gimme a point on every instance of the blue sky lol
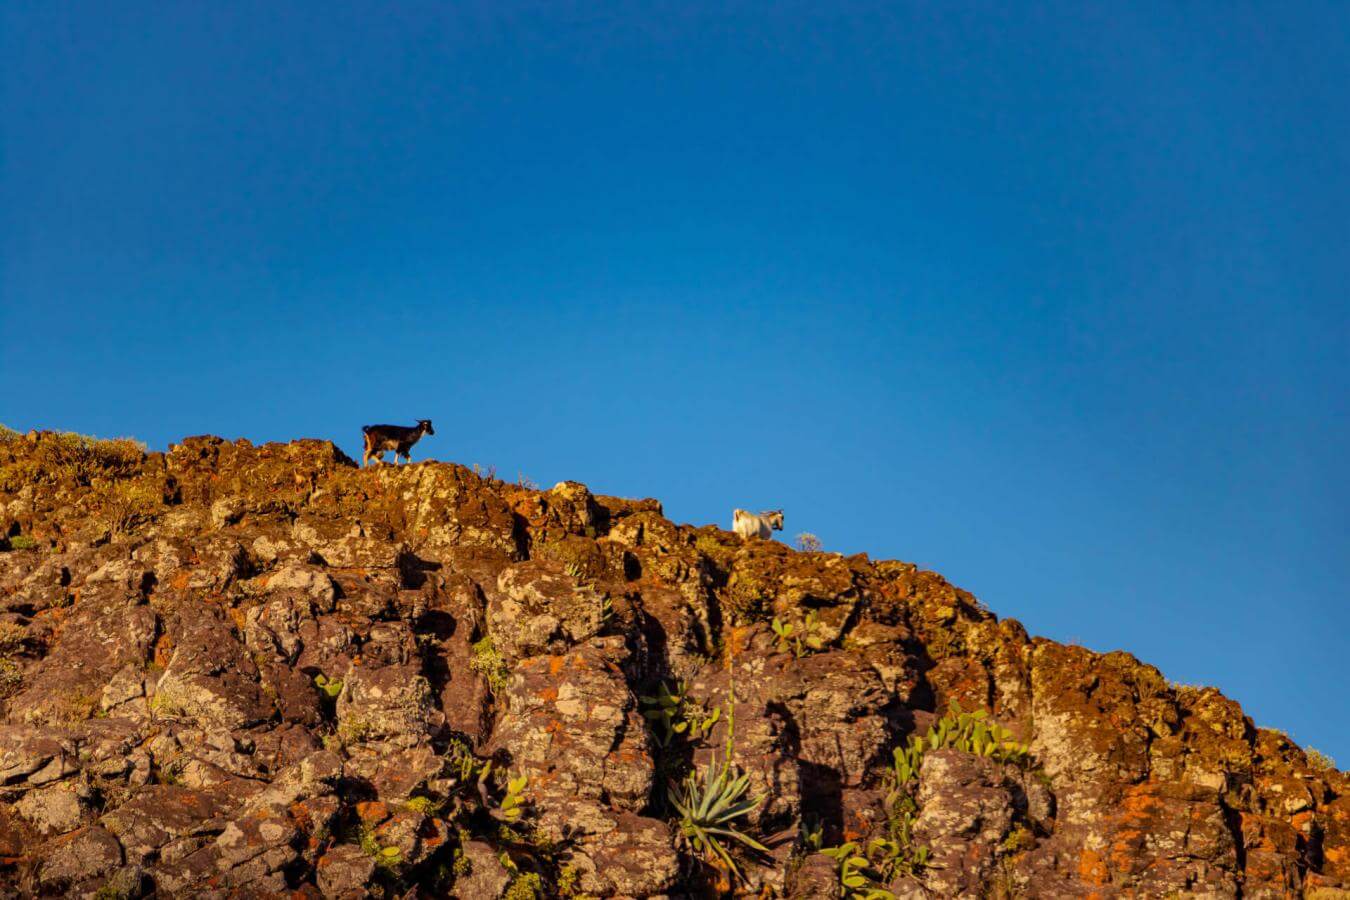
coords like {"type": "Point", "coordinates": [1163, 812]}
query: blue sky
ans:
{"type": "Point", "coordinates": [1053, 301]}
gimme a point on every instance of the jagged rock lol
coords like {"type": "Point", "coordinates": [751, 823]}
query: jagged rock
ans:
{"type": "Point", "coordinates": [210, 678]}
{"type": "Point", "coordinates": [160, 815]}
{"type": "Point", "coordinates": [965, 813]}
{"type": "Point", "coordinates": [538, 608]}
{"type": "Point", "coordinates": [281, 666]}
{"type": "Point", "coordinates": [344, 872]}
{"type": "Point", "coordinates": [486, 878]}
{"type": "Point", "coordinates": [107, 629]}
{"type": "Point", "coordinates": [56, 809]}
{"type": "Point", "coordinates": [626, 855]}
{"type": "Point", "coordinates": [573, 727]}
{"type": "Point", "coordinates": [34, 755]}
{"type": "Point", "coordinates": [77, 858]}
{"type": "Point", "coordinates": [389, 704]}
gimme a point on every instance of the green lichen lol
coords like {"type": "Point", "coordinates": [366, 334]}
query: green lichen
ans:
{"type": "Point", "coordinates": [1019, 839]}
{"type": "Point", "coordinates": [527, 886]}
{"type": "Point", "coordinates": [488, 662]}
{"type": "Point", "coordinates": [354, 731]}
{"type": "Point", "coordinates": [427, 806]}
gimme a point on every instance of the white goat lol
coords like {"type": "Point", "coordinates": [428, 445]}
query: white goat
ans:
{"type": "Point", "coordinates": [748, 524]}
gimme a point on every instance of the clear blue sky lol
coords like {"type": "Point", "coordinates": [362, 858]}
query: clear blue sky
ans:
{"type": "Point", "coordinates": [1054, 301]}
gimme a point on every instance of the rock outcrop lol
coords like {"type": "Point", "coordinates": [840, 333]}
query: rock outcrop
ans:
{"type": "Point", "coordinates": [236, 671]}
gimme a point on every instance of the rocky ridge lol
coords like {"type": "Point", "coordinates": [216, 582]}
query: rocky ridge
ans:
{"type": "Point", "coordinates": [233, 670]}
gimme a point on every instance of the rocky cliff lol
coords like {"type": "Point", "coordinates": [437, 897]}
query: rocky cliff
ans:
{"type": "Point", "coordinates": [230, 670]}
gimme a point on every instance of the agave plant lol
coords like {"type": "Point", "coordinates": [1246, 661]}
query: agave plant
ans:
{"type": "Point", "coordinates": [708, 807]}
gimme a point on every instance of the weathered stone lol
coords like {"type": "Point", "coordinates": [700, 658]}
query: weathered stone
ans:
{"type": "Point", "coordinates": [388, 704]}
{"type": "Point", "coordinates": [210, 678]}
{"type": "Point", "coordinates": [161, 814]}
{"type": "Point", "coordinates": [626, 855]}
{"type": "Point", "coordinates": [538, 607]}
{"type": "Point", "coordinates": [344, 872]}
{"type": "Point", "coordinates": [965, 812]}
{"type": "Point", "coordinates": [162, 681]}
{"type": "Point", "coordinates": [34, 755]}
{"type": "Point", "coordinates": [78, 857]}
{"type": "Point", "coordinates": [573, 727]}
{"type": "Point", "coordinates": [486, 877]}
{"type": "Point", "coordinates": [54, 810]}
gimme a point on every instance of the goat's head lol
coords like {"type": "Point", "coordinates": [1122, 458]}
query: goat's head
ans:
{"type": "Point", "coordinates": [775, 519]}
{"type": "Point", "coordinates": [425, 425]}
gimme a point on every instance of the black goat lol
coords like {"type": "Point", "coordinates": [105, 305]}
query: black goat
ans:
{"type": "Point", "coordinates": [380, 438]}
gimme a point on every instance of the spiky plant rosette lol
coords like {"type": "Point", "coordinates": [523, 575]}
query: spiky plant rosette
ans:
{"type": "Point", "coordinates": [708, 808]}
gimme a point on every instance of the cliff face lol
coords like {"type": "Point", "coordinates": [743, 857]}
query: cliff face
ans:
{"type": "Point", "coordinates": [232, 670]}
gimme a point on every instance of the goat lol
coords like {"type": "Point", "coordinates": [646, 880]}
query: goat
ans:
{"type": "Point", "coordinates": [749, 525]}
{"type": "Point", "coordinates": [400, 439]}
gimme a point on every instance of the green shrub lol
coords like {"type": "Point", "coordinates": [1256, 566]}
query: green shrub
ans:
{"type": "Point", "coordinates": [671, 714]}
{"type": "Point", "coordinates": [801, 637]}
{"type": "Point", "coordinates": [22, 542]}
{"type": "Point", "coordinates": [125, 504]}
{"type": "Point", "coordinates": [514, 805]}
{"type": "Point", "coordinates": [488, 662]}
{"type": "Point", "coordinates": [427, 806]}
{"type": "Point", "coordinates": [12, 638]}
{"type": "Point", "coordinates": [11, 676]}
{"type": "Point", "coordinates": [973, 733]}
{"type": "Point", "coordinates": [864, 869]}
{"type": "Point", "coordinates": [82, 458]}
{"type": "Point", "coordinates": [526, 886]}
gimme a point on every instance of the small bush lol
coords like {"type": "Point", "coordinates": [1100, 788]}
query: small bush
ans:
{"type": "Point", "coordinates": [12, 638]}
{"type": "Point", "coordinates": [1319, 760]}
{"type": "Point", "coordinates": [670, 713]}
{"type": "Point", "coordinates": [1019, 839]}
{"type": "Point", "coordinates": [800, 637]}
{"type": "Point", "coordinates": [525, 886]}
{"type": "Point", "coordinates": [22, 542]}
{"type": "Point", "coordinates": [82, 458]}
{"type": "Point", "coordinates": [427, 806]}
{"type": "Point", "coordinates": [488, 662]}
{"type": "Point", "coordinates": [127, 504]}
{"type": "Point", "coordinates": [10, 676]}
{"type": "Point", "coordinates": [808, 542]}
